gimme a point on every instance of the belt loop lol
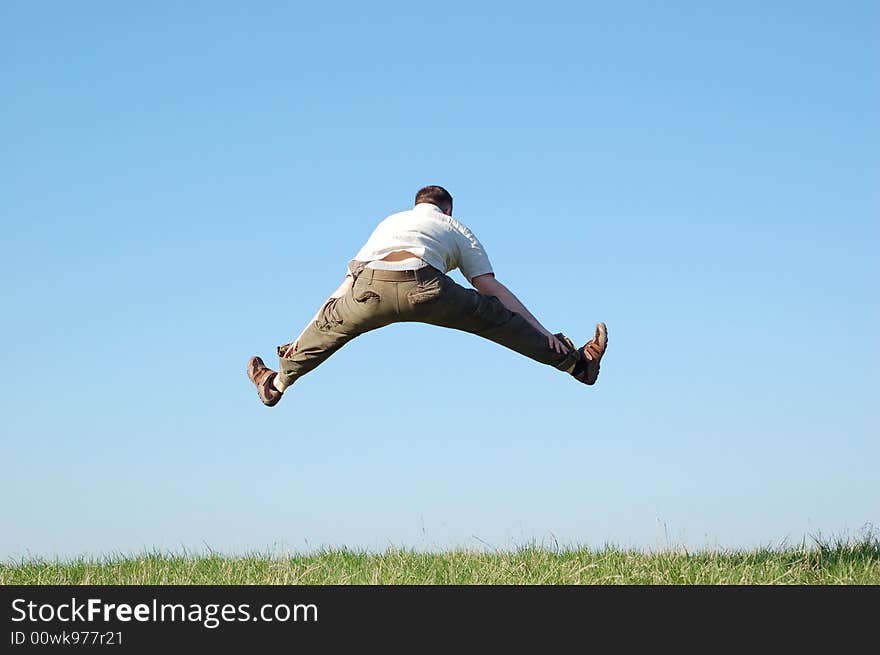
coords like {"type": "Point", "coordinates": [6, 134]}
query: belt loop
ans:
{"type": "Point", "coordinates": [371, 270]}
{"type": "Point", "coordinates": [356, 270]}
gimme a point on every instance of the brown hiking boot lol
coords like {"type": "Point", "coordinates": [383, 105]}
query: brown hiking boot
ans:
{"type": "Point", "coordinates": [262, 376]}
{"type": "Point", "coordinates": [593, 351]}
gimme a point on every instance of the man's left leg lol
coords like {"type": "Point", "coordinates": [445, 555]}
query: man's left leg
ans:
{"type": "Point", "coordinates": [338, 321]}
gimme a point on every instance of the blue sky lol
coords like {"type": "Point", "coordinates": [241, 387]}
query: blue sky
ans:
{"type": "Point", "coordinates": [183, 185]}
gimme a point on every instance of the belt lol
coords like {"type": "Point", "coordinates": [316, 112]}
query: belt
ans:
{"type": "Point", "coordinates": [420, 274]}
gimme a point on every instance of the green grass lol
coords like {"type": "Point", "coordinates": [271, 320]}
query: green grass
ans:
{"type": "Point", "coordinates": [850, 562]}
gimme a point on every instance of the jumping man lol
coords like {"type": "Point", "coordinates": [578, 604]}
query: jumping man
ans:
{"type": "Point", "coordinates": [400, 275]}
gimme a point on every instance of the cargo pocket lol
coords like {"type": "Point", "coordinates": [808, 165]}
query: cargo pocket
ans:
{"type": "Point", "coordinates": [328, 317]}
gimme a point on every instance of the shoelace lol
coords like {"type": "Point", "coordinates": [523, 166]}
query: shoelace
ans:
{"type": "Point", "coordinates": [593, 348]}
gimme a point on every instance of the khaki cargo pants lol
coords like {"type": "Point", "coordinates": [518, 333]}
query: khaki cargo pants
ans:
{"type": "Point", "coordinates": [378, 298]}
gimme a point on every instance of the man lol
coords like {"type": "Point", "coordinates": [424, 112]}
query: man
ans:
{"type": "Point", "coordinates": [400, 275]}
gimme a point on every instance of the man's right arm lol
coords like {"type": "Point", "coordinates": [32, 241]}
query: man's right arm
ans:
{"type": "Point", "coordinates": [488, 285]}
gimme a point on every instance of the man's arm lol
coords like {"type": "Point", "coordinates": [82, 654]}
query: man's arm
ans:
{"type": "Point", "coordinates": [341, 290]}
{"type": "Point", "coordinates": [489, 286]}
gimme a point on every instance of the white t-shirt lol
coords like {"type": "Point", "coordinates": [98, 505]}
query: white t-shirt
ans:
{"type": "Point", "coordinates": [430, 235]}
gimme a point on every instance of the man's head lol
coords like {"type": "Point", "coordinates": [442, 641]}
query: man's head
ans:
{"type": "Point", "coordinates": [436, 195]}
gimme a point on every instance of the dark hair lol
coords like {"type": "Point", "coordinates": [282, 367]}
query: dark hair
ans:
{"type": "Point", "coordinates": [436, 195]}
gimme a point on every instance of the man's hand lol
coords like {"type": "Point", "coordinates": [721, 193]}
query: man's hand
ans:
{"type": "Point", "coordinates": [557, 345]}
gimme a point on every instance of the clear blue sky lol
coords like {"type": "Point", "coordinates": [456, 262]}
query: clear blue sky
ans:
{"type": "Point", "coordinates": [183, 183]}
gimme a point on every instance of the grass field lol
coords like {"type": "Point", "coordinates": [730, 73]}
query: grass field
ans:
{"type": "Point", "coordinates": [850, 562]}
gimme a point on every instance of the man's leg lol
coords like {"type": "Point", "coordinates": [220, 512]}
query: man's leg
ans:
{"type": "Point", "coordinates": [337, 322]}
{"type": "Point", "coordinates": [454, 306]}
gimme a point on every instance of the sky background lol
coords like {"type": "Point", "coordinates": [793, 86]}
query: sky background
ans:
{"type": "Point", "coordinates": [182, 184]}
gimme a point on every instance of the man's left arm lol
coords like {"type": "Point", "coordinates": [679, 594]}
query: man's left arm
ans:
{"type": "Point", "coordinates": [341, 290]}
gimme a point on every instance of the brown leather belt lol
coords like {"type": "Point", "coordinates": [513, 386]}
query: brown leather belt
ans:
{"type": "Point", "coordinates": [421, 274]}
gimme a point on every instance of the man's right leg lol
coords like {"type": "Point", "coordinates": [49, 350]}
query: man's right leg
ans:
{"type": "Point", "coordinates": [459, 308]}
